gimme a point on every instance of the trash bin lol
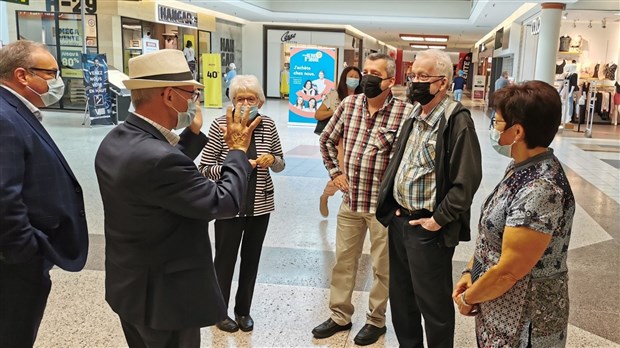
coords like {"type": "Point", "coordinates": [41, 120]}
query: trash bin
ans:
{"type": "Point", "coordinates": [121, 96]}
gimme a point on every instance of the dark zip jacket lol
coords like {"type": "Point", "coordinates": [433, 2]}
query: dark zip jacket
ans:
{"type": "Point", "coordinates": [458, 168]}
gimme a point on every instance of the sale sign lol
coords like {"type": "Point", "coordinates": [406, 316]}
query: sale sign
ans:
{"type": "Point", "coordinates": [71, 62]}
{"type": "Point", "coordinates": [212, 79]}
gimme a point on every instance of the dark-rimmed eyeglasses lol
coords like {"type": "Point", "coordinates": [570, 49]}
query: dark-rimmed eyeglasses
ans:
{"type": "Point", "coordinates": [250, 100]}
{"type": "Point", "coordinates": [53, 72]}
{"type": "Point", "coordinates": [195, 94]}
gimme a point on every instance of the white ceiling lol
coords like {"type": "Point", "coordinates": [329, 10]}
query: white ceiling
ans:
{"type": "Point", "coordinates": [465, 21]}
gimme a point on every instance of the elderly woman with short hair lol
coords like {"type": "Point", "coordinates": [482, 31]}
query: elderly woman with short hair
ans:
{"type": "Point", "coordinates": [516, 283]}
{"type": "Point", "coordinates": [250, 225]}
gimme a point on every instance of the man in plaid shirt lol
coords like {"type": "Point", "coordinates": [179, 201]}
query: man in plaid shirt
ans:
{"type": "Point", "coordinates": [425, 200]}
{"type": "Point", "coordinates": [367, 124]}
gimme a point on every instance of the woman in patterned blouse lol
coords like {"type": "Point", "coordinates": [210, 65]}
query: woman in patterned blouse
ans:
{"type": "Point", "coordinates": [516, 282]}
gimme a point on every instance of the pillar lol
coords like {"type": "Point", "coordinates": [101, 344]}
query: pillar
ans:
{"type": "Point", "coordinates": [548, 41]}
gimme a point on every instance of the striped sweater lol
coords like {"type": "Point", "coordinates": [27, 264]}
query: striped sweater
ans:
{"type": "Point", "coordinates": [266, 141]}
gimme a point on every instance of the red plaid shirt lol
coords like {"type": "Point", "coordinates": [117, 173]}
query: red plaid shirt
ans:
{"type": "Point", "coordinates": [367, 141]}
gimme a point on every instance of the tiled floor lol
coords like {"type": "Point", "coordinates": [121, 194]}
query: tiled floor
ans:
{"type": "Point", "coordinates": [293, 283]}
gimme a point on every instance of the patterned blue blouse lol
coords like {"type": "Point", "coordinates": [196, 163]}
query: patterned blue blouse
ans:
{"type": "Point", "coordinates": [534, 194]}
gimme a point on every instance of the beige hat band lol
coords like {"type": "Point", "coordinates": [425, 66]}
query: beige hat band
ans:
{"type": "Point", "coordinates": [183, 76]}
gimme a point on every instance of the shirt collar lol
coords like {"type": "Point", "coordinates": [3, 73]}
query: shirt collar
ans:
{"type": "Point", "coordinates": [170, 136]}
{"type": "Point", "coordinates": [35, 111]}
{"type": "Point", "coordinates": [435, 115]}
{"type": "Point", "coordinates": [388, 101]}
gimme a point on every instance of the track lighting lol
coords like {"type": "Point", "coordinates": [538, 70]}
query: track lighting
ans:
{"type": "Point", "coordinates": [590, 25]}
{"type": "Point", "coordinates": [575, 23]}
{"type": "Point", "coordinates": [565, 15]}
{"type": "Point", "coordinates": [604, 22]}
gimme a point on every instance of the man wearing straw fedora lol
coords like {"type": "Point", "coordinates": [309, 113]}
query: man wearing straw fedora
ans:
{"type": "Point", "coordinates": [160, 278]}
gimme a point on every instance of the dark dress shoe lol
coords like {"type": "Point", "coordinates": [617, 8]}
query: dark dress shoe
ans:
{"type": "Point", "coordinates": [329, 328]}
{"type": "Point", "coordinates": [227, 325]}
{"type": "Point", "coordinates": [369, 334]}
{"type": "Point", "coordinates": [245, 322]}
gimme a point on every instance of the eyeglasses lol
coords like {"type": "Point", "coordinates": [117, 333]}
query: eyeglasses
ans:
{"type": "Point", "coordinates": [249, 100]}
{"type": "Point", "coordinates": [423, 77]}
{"type": "Point", "coordinates": [53, 72]}
{"type": "Point", "coordinates": [195, 94]}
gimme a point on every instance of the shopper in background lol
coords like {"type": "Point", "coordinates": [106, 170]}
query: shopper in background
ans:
{"type": "Point", "coordinates": [367, 125]}
{"type": "Point", "coordinates": [159, 275]}
{"type": "Point", "coordinates": [500, 83]}
{"type": "Point", "coordinates": [42, 219]}
{"type": "Point", "coordinates": [458, 84]}
{"type": "Point", "coordinates": [249, 227]}
{"type": "Point", "coordinates": [348, 84]}
{"type": "Point", "coordinates": [189, 54]}
{"type": "Point", "coordinates": [425, 199]}
{"type": "Point", "coordinates": [516, 282]}
{"type": "Point", "coordinates": [229, 76]}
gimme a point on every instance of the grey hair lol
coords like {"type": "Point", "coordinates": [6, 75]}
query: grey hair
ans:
{"type": "Point", "coordinates": [443, 63]}
{"type": "Point", "coordinates": [144, 95]}
{"type": "Point", "coordinates": [246, 83]}
{"type": "Point", "coordinates": [17, 54]}
{"type": "Point", "coordinates": [391, 64]}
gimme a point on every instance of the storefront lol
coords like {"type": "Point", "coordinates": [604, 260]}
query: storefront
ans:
{"type": "Point", "coordinates": [278, 42]}
{"type": "Point", "coordinates": [588, 47]}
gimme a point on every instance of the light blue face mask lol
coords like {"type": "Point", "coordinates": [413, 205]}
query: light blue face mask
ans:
{"type": "Point", "coordinates": [185, 118]}
{"type": "Point", "coordinates": [504, 150]}
{"type": "Point", "coordinates": [352, 82]}
{"type": "Point", "coordinates": [253, 112]}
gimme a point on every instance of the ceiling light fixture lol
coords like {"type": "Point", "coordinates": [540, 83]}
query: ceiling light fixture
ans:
{"type": "Point", "coordinates": [565, 15]}
{"type": "Point", "coordinates": [604, 22]}
{"type": "Point", "coordinates": [418, 46]}
{"type": "Point", "coordinates": [426, 38]}
{"type": "Point", "coordinates": [575, 23]}
{"type": "Point", "coordinates": [423, 46]}
{"type": "Point", "coordinates": [590, 25]}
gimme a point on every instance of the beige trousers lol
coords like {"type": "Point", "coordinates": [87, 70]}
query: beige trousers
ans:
{"type": "Point", "coordinates": [350, 234]}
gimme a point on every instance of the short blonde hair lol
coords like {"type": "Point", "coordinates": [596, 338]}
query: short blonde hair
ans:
{"type": "Point", "coordinates": [246, 83]}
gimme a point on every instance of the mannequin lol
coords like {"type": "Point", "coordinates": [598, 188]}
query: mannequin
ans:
{"type": "Point", "coordinates": [570, 75]}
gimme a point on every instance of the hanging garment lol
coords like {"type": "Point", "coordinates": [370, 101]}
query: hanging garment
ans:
{"type": "Point", "coordinates": [564, 43]}
{"type": "Point", "coordinates": [559, 68]}
{"type": "Point", "coordinates": [610, 74]}
{"type": "Point", "coordinates": [595, 74]}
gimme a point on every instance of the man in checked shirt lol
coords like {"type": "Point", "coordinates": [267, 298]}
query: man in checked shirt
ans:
{"type": "Point", "coordinates": [425, 200]}
{"type": "Point", "coordinates": [367, 124]}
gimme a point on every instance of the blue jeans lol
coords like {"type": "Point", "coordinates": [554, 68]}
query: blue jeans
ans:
{"type": "Point", "coordinates": [458, 94]}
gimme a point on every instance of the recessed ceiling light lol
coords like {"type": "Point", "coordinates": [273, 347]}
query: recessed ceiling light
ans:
{"type": "Point", "coordinates": [436, 39]}
{"type": "Point", "coordinates": [439, 47]}
{"type": "Point", "coordinates": [411, 37]}
{"type": "Point", "coordinates": [418, 46]}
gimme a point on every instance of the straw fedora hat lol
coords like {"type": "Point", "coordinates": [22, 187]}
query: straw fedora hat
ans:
{"type": "Point", "coordinates": [164, 68]}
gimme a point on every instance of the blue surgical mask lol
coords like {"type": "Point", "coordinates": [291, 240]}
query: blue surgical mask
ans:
{"type": "Point", "coordinates": [352, 82]}
{"type": "Point", "coordinates": [253, 112]}
{"type": "Point", "coordinates": [504, 150]}
{"type": "Point", "coordinates": [185, 118]}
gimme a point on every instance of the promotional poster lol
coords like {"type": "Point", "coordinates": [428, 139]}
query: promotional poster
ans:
{"type": "Point", "coordinates": [311, 74]}
{"type": "Point", "coordinates": [212, 79]}
{"type": "Point", "coordinates": [95, 70]}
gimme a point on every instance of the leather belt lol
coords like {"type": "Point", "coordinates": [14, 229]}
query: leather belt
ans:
{"type": "Point", "coordinates": [420, 213]}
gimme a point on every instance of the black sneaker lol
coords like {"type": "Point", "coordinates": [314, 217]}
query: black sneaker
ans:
{"type": "Point", "coordinates": [329, 328]}
{"type": "Point", "coordinates": [369, 334]}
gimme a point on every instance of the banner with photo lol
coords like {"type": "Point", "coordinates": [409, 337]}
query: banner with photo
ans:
{"type": "Point", "coordinates": [95, 68]}
{"type": "Point", "coordinates": [212, 79]}
{"type": "Point", "coordinates": [312, 76]}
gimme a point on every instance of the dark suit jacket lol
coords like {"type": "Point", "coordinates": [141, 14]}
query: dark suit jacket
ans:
{"type": "Point", "coordinates": [159, 268]}
{"type": "Point", "coordinates": [458, 172]}
{"type": "Point", "coordinates": [41, 203]}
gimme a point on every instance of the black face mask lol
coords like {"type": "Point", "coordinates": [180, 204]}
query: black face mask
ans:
{"type": "Point", "coordinates": [371, 85]}
{"type": "Point", "coordinates": [421, 92]}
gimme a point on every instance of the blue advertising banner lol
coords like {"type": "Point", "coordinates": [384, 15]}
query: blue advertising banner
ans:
{"type": "Point", "coordinates": [95, 68]}
{"type": "Point", "coordinates": [312, 73]}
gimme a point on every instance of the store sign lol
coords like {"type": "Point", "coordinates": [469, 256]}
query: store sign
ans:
{"type": "Point", "coordinates": [90, 6]}
{"type": "Point", "coordinates": [21, 2]}
{"type": "Point", "coordinates": [227, 48]}
{"type": "Point", "coordinates": [535, 26]}
{"type": "Point", "coordinates": [175, 16]}
{"type": "Point", "coordinates": [71, 62]}
{"type": "Point", "coordinates": [69, 33]}
{"type": "Point", "coordinates": [288, 36]}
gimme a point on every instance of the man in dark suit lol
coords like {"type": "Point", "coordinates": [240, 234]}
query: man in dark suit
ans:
{"type": "Point", "coordinates": [42, 219]}
{"type": "Point", "coordinates": [160, 278]}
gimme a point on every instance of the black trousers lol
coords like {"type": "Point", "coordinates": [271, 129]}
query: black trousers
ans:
{"type": "Point", "coordinates": [24, 289]}
{"type": "Point", "coordinates": [140, 336]}
{"type": "Point", "coordinates": [229, 234]}
{"type": "Point", "coordinates": [420, 285]}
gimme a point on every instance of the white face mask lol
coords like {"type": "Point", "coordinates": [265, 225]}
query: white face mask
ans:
{"type": "Point", "coordinates": [185, 118]}
{"type": "Point", "coordinates": [504, 150]}
{"type": "Point", "coordinates": [55, 91]}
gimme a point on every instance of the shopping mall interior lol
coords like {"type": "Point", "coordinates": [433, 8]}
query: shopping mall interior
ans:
{"type": "Point", "coordinates": [573, 45]}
